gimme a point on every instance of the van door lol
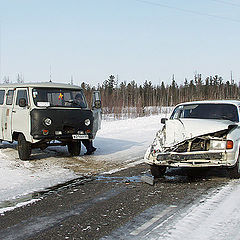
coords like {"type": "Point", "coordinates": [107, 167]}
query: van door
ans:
{"type": "Point", "coordinates": [97, 112]}
{"type": "Point", "coordinates": [2, 98]}
{"type": "Point", "coordinates": [7, 116]}
{"type": "Point", "coordinates": [21, 114]}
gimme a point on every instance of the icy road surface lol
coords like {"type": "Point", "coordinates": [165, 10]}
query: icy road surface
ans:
{"type": "Point", "coordinates": [119, 143]}
{"type": "Point", "coordinates": [212, 216]}
{"type": "Point", "coordinates": [215, 217]}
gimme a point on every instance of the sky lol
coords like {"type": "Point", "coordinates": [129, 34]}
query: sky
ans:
{"type": "Point", "coordinates": [131, 39]}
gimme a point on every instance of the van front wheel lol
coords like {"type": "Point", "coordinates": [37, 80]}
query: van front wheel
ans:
{"type": "Point", "coordinates": [74, 148]}
{"type": "Point", "coordinates": [24, 147]}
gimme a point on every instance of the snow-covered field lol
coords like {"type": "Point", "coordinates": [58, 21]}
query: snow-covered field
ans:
{"type": "Point", "coordinates": [119, 143]}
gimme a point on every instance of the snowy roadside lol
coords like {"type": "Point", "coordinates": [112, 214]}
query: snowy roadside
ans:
{"type": "Point", "coordinates": [215, 217]}
{"type": "Point", "coordinates": [118, 143]}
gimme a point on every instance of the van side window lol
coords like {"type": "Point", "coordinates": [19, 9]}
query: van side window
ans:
{"type": "Point", "coordinates": [2, 94]}
{"type": "Point", "coordinates": [9, 97]}
{"type": "Point", "coordinates": [21, 94]}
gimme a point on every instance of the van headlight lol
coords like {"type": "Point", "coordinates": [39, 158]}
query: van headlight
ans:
{"type": "Point", "coordinates": [47, 121]}
{"type": "Point", "coordinates": [87, 122]}
{"type": "Point", "coordinates": [217, 145]}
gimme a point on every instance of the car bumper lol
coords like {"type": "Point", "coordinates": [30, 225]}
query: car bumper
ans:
{"type": "Point", "coordinates": [193, 159]}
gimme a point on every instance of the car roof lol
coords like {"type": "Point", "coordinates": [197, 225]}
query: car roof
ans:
{"type": "Point", "coordinates": [229, 101]}
{"type": "Point", "coordinates": [40, 84]}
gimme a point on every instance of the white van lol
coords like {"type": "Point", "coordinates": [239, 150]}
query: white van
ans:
{"type": "Point", "coordinates": [38, 115]}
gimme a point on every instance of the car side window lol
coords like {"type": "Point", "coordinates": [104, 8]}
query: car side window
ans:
{"type": "Point", "coordinates": [9, 100]}
{"type": "Point", "coordinates": [21, 94]}
{"type": "Point", "coordinates": [2, 94]}
{"type": "Point", "coordinates": [176, 113]}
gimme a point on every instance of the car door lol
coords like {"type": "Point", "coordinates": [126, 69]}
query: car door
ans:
{"type": "Point", "coordinates": [97, 112]}
{"type": "Point", "coordinates": [21, 115]}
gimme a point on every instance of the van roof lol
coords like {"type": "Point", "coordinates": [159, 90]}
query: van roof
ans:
{"type": "Point", "coordinates": [40, 84]}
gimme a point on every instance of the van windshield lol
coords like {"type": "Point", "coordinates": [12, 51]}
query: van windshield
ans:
{"type": "Point", "coordinates": [51, 97]}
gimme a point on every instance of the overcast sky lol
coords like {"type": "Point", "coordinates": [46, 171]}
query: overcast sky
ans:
{"type": "Point", "coordinates": [134, 39]}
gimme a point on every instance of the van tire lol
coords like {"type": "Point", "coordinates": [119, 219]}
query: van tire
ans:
{"type": "Point", "coordinates": [24, 148]}
{"type": "Point", "coordinates": [234, 172]}
{"type": "Point", "coordinates": [157, 171]}
{"type": "Point", "coordinates": [74, 148]}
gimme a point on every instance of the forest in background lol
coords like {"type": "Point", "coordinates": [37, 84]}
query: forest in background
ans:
{"type": "Point", "coordinates": [132, 100]}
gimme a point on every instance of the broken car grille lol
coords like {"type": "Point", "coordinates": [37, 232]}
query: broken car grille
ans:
{"type": "Point", "coordinates": [197, 144]}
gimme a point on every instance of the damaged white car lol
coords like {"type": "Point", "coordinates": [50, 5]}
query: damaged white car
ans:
{"type": "Point", "coordinates": [198, 134]}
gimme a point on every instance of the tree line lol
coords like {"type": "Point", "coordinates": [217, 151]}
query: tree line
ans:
{"type": "Point", "coordinates": [123, 96]}
{"type": "Point", "coordinates": [130, 98]}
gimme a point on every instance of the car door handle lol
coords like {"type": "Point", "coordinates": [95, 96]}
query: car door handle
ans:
{"type": "Point", "coordinates": [14, 111]}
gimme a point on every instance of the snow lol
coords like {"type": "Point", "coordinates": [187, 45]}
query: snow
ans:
{"type": "Point", "coordinates": [119, 144]}
{"type": "Point", "coordinates": [214, 217]}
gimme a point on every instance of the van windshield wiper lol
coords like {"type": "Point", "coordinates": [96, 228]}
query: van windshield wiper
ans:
{"type": "Point", "coordinates": [69, 101]}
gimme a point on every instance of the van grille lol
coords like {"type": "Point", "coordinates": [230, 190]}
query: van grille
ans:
{"type": "Point", "coordinates": [69, 130]}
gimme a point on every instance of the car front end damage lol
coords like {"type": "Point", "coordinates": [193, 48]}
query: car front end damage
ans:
{"type": "Point", "coordinates": [213, 149]}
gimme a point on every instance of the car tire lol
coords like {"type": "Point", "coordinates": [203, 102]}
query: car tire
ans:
{"type": "Point", "coordinates": [157, 171]}
{"type": "Point", "coordinates": [24, 148]}
{"type": "Point", "coordinates": [74, 148]}
{"type": "Point", "coordinates": [235, 171]}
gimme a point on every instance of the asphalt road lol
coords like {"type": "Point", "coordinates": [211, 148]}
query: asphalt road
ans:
{"type": "Point", "coordinates": [116, 206]}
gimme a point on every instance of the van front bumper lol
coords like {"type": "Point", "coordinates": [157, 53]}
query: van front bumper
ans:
{"type": "Point", "coordinates": [64, 137]}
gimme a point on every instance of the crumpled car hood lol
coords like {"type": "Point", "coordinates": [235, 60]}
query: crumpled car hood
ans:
{"type": "Point", "coordinates": [178, 130]}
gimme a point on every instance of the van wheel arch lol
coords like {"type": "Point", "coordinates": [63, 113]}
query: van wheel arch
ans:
{"type": "Point", "coordinates": [15, 136]}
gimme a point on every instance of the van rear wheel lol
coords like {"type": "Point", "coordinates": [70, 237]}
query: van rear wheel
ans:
{"type": "Point", "coordinates": [24, 147]}
{"type": "Point", "coordinates": [74, 148]}
{"type": "Point", "coordinates": [157, 171]}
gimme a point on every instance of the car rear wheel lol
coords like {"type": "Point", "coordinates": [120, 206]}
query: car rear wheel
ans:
{"type": "Point", "coordinates": [157, 171]}
{"type": "Point", "coordinates": [24, 147]}
{"type": "Point", "coordinates": [235, 171]}
{"type": "Point", "coordinates": [74, 148]}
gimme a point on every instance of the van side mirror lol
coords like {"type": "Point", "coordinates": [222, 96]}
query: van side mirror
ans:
{"type": "Point", "coordinates": [22, 102]}
{"type": "Point", "coordinates": [96, 100]}
{"type": "Point", "coordinates": [163, 120]}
